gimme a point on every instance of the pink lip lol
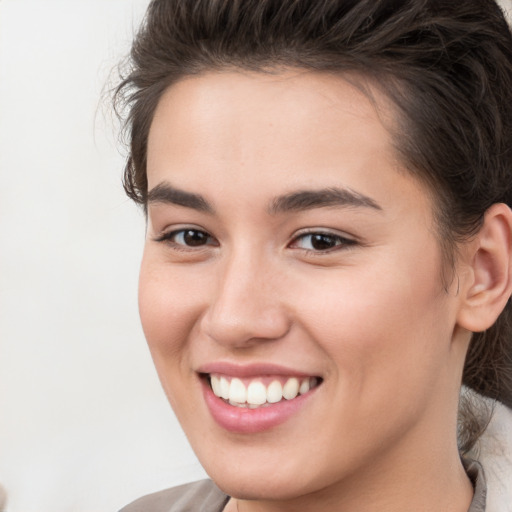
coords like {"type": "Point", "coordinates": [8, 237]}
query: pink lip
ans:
{"type": "Point", "coordinates": [250, 421]}
{"type": "Point", "coordinates": [250, 370]}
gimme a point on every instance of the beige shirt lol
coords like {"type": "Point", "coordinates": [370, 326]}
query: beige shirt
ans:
{"type": "Point", "coordinates": [205, 496]}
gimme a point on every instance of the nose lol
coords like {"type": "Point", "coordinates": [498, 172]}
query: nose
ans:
{"type": "Point", "coordinates": [247, 306]}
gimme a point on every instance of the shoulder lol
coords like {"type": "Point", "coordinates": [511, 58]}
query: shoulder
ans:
{"type": "Point", "coordinates": [203, 496]}
{"type": "Point", "coordinates": [494, 452]}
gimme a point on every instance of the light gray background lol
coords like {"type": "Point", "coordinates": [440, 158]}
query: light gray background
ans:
{"type": "Point", "coordinates": [84, 426]}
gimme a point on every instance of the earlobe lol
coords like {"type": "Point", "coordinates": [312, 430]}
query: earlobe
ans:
{"type": "Point", "coordinates": [490, 285]}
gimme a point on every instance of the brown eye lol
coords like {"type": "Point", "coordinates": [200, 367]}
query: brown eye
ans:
{"type": "Point", "coordinates": [187, 238]}
{"type": "Point", "coordinates": [192, 237]}
{"type": "Point", "coordinates": [321, 242]}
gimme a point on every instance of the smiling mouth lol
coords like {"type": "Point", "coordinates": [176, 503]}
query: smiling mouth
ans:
{"type": "Point", "coordinates": [259, 392]}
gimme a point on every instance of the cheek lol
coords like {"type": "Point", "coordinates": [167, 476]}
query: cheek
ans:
{"type": "Point", "coordinates": [383, 325]}
{"type": "Point", "coordinates": [169, 305]}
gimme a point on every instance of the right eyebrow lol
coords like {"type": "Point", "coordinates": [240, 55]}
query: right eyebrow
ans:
{"type": "Point", "coordinates": [165, 193]}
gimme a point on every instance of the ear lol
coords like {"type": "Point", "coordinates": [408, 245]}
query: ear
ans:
{"type": "Point", "coordinates": [488, 283]}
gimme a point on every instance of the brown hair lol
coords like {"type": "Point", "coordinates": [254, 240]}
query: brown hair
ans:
{"type": "Point", "coordinates": [446, 66]}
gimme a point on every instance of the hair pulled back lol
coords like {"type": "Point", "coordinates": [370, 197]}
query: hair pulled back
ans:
{"type": "Point", "coordinates": [445, 65]}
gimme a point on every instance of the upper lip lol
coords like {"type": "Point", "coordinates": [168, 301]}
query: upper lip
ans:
{"type": "Point", "coordinates": [250, 370]}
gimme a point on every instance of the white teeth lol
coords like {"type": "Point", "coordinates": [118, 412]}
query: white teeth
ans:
{"type": "Point", "coordinates": [215, 382]}
{"type": "Point", "coordinates": [256, 393]}
{"type": "Point", "coordinates": [291, 388]}
{"type": "Point", "coordinates": [274, 392]}
{"type": "Point", "coordinates": [223, 388]}
{"type": "Point", "coordinates": [237, 391]}
{"type": "Point", "coordinates": [236, 404]}
{"type": "Point", "coordinates": [304, 387]}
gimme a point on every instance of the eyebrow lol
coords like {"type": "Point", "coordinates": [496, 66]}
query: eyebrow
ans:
{"type": "Point", "coordinates": [167, 194]}
{"type": "Point", "coordinates": [294, 201]}
{"type": "Point", "coordinates": [332, 196]}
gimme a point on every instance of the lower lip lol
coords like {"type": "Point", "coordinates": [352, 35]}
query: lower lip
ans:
{"type": "Point", "coordinates": [243, 420]}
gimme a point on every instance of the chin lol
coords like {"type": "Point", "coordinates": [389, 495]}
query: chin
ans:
{"type": "Point", "coordinates": [253, 484]}
{"type": "Point", "coordinates": [265, 473]}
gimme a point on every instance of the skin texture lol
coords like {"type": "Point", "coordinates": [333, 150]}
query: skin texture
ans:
{"type": "Point", "coordinates": [371, 316]}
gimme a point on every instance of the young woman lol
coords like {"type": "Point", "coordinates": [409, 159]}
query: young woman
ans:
{"type": "Point", "coordinates": [328, 256]}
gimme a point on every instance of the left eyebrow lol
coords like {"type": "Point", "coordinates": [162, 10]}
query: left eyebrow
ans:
{"type": "Point", "coordinates": [310, 199]}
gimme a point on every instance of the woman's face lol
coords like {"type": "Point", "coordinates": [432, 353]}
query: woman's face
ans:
{"type": "Point", "coordinates": [287, 248]}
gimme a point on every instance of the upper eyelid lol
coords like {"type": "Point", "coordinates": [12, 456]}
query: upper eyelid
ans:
{"type": "Point", "coordinates": [324, 231]}
{"type": "Point", "coordinates": [173, 229]}
{"type": "Point", "coordinates": [345, 242]}
{"type": "Point", "coordinates": [165, 239]}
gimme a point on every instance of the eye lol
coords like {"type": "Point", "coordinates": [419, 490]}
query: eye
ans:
{"type": "Point", "coordinates": [187, 238]}
{"type": "Point", "coordinates": [321, 242]}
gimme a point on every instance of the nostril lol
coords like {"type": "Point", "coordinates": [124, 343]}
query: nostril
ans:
{"type": "Point", "coordinates": [243, 326]}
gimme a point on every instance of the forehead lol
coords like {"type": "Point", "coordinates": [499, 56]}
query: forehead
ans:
{"type": "Point", "coordinates": [234, 130]}
{"type": "Point", "coordinates": [268, 103]}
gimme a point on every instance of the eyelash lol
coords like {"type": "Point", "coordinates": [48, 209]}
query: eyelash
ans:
{"type": "Point", "coordinates": [169, 238]}
{"type": "Point", "coordinates": [339, 242]}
